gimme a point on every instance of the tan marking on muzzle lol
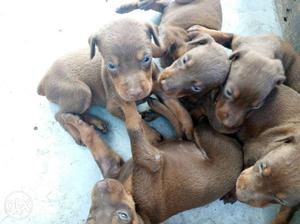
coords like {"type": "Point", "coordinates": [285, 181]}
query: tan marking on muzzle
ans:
{"type": "Point", "coordinates": [164, 75]}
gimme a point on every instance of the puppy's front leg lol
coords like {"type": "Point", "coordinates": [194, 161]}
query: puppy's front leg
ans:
{"type": "Point", "coordinates": [143, 153]}
{"type": "Point", "coordinates": [161, 109]}
{"type": "Point", "coordinates": [182, 115]}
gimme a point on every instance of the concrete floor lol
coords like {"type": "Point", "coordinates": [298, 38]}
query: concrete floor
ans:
{"type": "Point", "coordinates": [47, 178]}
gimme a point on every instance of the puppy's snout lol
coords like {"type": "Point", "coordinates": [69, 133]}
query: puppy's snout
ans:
{"type": "Point", "coordinates": [102, 185]}
{"type": "Point", "coordinates": [135, 93]}
{"type": "Point", "coordinates": [108, 186]}
{"type": "Point", "coordinates": [227, 122]}
{"type": "Point", "coordinates": [224, 118]}
{"type": "Point", "coordinates": [232, 122]}
{"type": "Point", "coordinates": [241, 183]}
{"type": "Point", "coordinates": [228, 118]}
{"type": "Point", "coordinates": [224, 115]}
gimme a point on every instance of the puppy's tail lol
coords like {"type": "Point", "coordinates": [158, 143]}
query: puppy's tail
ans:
{"type": "Point", "coordinates": [41, 89]}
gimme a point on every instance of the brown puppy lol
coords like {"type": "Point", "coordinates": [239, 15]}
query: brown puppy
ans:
{"type": "Point", "coordinates": [273, 127]}
{"type": "Point", "coordinates": [195, 74]}
{"type": "Point", "coordinates": [177, 17]}
{"type": "Point", "coordinates": [159, 181]}
{"type": "Point", "coordinates": [123, 68]}
{"type": "Point", "coordinates": [269, 126]}
{"type": "Point", "coordinates": [198, 71]}
{"type": "Point", "coordinates": [265, 58]}
{"type": "Point", "coordinates": [251, 79]}
{"type": "Point", "coordinates": [275, 178]}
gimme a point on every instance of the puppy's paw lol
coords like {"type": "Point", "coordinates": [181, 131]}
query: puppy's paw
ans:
{"type": "Point", "coordinates": [195, 31]}
{"type": "Point", "coordinates": [126, 8]}
{"type": "Point", "coordinates": [82, 133]}
{"type": "Point", "coordinates": [146, 4]}
{"type": "Point", "coordinates": [149, 115]}
{"type": "Point", "coordinates": [154, 137]}
{"type": "Point", "coordinates": [99, 125]}
{"type": "Point", "coordinates": [188, 131]}
{"type": "Point", "coordinates": [72, 119]}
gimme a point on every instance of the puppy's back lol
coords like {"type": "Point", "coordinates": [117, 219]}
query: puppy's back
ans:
{"type": "Point", "coordinates": [76, 65]}
{"type": "Point", "coordinates": [207, 13]}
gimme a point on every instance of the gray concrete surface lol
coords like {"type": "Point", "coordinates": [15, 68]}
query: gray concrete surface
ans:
{"type": "Point", "coordinates": [45, 177]}
{"type": "Point", "coordinates": [289, 18]}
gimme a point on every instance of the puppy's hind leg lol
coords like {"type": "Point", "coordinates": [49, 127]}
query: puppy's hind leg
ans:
{"type": "Point", "coordinates": [107, 160]}
{"type": "Point", "coordinates": [182, 115]}
{"type": "Point", "coordinates": [165, 111]}
{"type": "Point", "coordinates": [70, 129]}
{"type": "Point", "coordinates": [72, 97]}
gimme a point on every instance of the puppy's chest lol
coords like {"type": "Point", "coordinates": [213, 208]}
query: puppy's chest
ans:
{"type": "Point", "coordinates": [148, 195]}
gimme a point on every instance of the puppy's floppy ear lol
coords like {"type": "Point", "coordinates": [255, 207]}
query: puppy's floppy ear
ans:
{"type": "Point", "coordinates": [279, 72]}
{"type": "Point", "coordinates": [153, 32]}
{"type": "Point", "coordinates": [172, 48]}
{"type": "Point", "coordinates": [201, 40]}
{"type": "Point", "coordinates": [236, 55]}
{"type": "Point", "coordinates": [93, 41]}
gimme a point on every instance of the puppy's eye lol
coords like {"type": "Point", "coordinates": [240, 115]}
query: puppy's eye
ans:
{"type": "Point", "coordinates": [196, 88]}
{"type": "Point", "coordinates": [228, 93]}
{"type": "Point", "coordinates": [112, 67]}
{"type": "Point", "coordinates": [184, 60]}
{"type": "Point", "coordinates": [262, 166]}
{"type": "Point", "coordinates": [123, 215]}
{"type": "Point", "coordinates": [147, 59]}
